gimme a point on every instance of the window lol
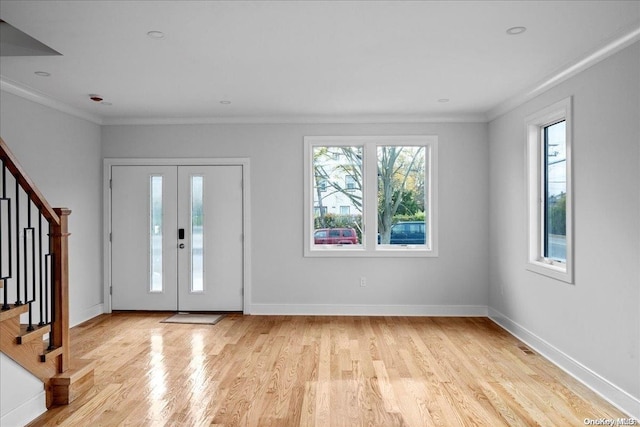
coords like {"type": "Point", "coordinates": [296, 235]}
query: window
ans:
{"type": "Point", "coordinates": [320, 210]}
{"type": "Point", "coordinates": [350, 182]}
{"type": "Point", "coordinates": [155, 234]}
{"type": "Point", "coordinates": [197, 234]}
{"type": "Point", "coordinates": [386, 192]}
{"type": "Point", "coordinates": [550, 195]}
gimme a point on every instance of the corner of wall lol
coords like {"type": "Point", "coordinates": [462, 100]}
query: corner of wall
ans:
{"type": "Point", "coordinates": [607, 390]}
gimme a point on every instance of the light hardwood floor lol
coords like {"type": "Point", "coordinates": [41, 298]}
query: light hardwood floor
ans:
{"type": "Point", "coordinates": [318, 371]}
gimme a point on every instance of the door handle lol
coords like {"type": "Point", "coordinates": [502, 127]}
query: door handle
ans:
{"type": "Point", "coordinates": [181, 245]}
{"type": "Point", "coordinates": [180, 233]}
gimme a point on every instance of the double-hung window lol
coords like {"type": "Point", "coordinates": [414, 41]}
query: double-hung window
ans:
{"type": "Point", "coordinates": [550, 192]}
{"type": "Point", "coordinates": [380, 188]}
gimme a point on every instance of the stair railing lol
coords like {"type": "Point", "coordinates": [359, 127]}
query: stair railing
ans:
{"type": "Point", "coordinates": [34, 266]}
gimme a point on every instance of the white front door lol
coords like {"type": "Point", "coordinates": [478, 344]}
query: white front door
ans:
{"type": "Point", "coordinates": [177, 238]}
{"type": "Point", "coordinates": [210, 263]}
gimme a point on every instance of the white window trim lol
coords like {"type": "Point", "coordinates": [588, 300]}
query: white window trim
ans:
{"type": "Point", "coordinates": [369, 246]}
{"type": "Point", "coordinates": [535, 124]}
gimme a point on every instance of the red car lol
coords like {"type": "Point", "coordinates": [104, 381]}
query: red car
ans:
{"type": "Point", "coordinates": [335, 236]}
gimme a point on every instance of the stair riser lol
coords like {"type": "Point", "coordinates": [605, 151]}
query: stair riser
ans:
{"type": "Point", "coordinates": [15, 311]}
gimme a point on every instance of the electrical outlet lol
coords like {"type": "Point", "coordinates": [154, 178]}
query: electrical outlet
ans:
{"type": "Point", "coordinates": [363, 282]}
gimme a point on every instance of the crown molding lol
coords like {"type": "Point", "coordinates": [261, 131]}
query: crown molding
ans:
{"type": "Point", "coordinates": [34, 95]}
{"type": "Point", "coordinates": [626, 38]}
{"type": "Point", "coordinates": [309, 119]}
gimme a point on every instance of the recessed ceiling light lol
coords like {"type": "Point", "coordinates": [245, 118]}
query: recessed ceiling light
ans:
{"type": "Point", "coordinates": [225, 102]}
{"type": "Point", "coordinates": [514, 31]}
{"type": "Point", "coordinates": [156, 34]}
{"type": "Point", "coordinates": [443, 100]}
{"type": "Point", "coordinates": [42, 73]}
{"type": "Point", "coordinates": [95, 97]}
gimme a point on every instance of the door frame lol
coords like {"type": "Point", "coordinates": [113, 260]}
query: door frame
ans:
{"type": "Point", "coordinates": [246, 215]}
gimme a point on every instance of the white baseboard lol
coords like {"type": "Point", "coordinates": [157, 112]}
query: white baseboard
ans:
{"type": "Point", "coordinates": [87, 314]}
{"type": "Point", "coordinates": [368, 310]}
{"type": "Point", "coordinates": [609, 391]}
{"type": "Point", "coordinates": [25, 413]}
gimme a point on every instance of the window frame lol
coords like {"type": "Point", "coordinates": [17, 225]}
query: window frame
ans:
{"type": "Point", "coordinates": [535, 125]}
{"type": "Point", "coordinates": [369, 246]}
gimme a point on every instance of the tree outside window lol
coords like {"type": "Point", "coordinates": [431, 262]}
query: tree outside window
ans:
{"type": "Point", "coordinates": [372, 184]}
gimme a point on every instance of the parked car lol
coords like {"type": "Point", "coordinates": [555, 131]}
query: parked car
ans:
{"type": "Point", "coordinates": [408, 233]}
{"type": "Point", "coordinates": [335, 236]}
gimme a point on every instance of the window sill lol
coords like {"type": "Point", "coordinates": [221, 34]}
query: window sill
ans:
{"type": "Point", "coordinates": [329, 251]}
{"type": "Point", "coordinates": [559, 272]}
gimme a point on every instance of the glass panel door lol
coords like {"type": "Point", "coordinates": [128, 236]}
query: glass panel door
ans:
{"type": "Point", "coordinates": [144, 238]}
{"type": "Point", "coordinates": [177, 238]}
{"type": "Point", "coordinates": [211, 263]}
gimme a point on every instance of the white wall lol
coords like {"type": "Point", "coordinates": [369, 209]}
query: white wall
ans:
{"type": "Point", "coordinates": [591, 327]}
{"type": "Point", "coordinates": [22, 396]}
{"type": "Point", "coordinates": [61, 154]}
{"type": "Point", "coordinates": [286, 282]}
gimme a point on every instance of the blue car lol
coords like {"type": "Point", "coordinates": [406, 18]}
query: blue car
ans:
{"type": "Point", "coordinates": [408, 233]}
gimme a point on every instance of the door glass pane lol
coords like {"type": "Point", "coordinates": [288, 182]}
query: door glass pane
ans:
{"type": "Point", "coordinates": [402, 195]}
{"type": "Point", "coordinates": [155, 233]}
{"type": "Point", "coordinates": [337, 195]}
{"type": "Point", "coordinates": [197, 240]}
{"type": "Point", "coordinates": [555, 183]}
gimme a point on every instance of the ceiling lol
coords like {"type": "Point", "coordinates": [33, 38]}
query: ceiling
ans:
{"type": "Point", "coordinates": [265, 61]}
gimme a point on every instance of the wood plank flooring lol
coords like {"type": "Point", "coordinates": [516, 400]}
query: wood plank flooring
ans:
{"type": "Point", "coordinates": [318, 371]}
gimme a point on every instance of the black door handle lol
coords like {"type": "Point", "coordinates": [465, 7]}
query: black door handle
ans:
{"type": "Point", "coordinates": [180, 233]}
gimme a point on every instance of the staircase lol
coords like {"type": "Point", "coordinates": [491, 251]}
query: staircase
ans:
{"type": "Point", "coordinates": [34, 285]}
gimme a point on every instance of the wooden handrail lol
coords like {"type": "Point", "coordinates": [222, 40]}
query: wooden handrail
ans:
{"type": "Point", "coordinates": [59, 249]}
{"type": "Point", "coordinates": [27, 185]}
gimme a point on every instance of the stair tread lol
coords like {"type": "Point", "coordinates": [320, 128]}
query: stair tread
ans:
{"type": "Point", "coordinates": [50, 353]}
{"type": "Point", "coordinates": [38, 331]}
{"type": "Point", "coordinates": [14, 310]}
{"type": "Point", "coordinates": [79, 368]}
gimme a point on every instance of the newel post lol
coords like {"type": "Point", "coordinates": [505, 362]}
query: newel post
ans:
{"type": "Point", "coordinates": [60, 249]}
